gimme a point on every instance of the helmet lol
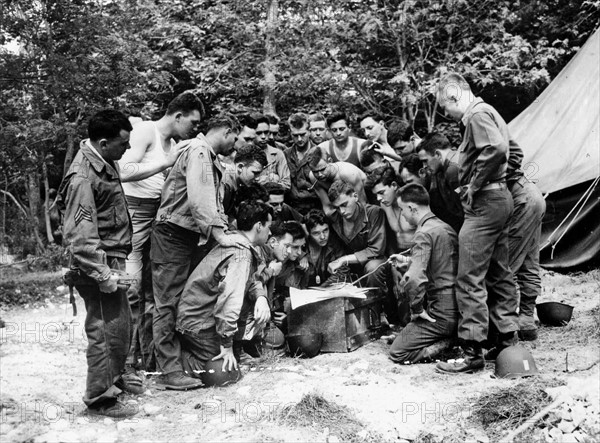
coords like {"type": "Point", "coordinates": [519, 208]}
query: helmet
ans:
{"type": "Point", "coordinates": [273, 338]}
{"type": "Point", "coordinates": [515, 362]}
{"type": "Point", "coordinates": [554, 313]}
{"type": "Point", "coordinates": [305, 345]}
{"type": "Point", "coordinates": [213, 374]}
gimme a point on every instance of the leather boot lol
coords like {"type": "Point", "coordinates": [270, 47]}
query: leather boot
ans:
{"type": "Point", "coordinates": [177, 381]}
{"type": "Point", "coordinates": [503, 341]}
{"type": "Point", "coordinates": [473, 361]}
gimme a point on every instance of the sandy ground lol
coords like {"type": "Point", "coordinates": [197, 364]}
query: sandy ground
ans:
{"type": "Point", "coordinates": [42, 378]}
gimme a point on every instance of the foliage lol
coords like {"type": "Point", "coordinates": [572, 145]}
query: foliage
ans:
{"type": "Point", "coordinates": [20, 290]}
{"type": "Point", "coordinates": [65, 59]}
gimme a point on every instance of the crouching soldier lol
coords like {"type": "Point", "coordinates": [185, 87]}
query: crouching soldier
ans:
{"type": "Point", "coordinates": [223, 295]}
{"type": "Point", "coordinates": [97, 232]}
{"type": "Point", "coordinates": [430, 277]}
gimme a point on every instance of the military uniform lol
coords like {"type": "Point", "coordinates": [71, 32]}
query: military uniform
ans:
{"type": "Point", "coordinates": [444, 200]}
{"type": "Point", "coordinates": [217, 302]}
{"type": "Point", "coordinates": [483, 238]}
{"type": "Point", "coordinates": [191, 206]}
{"type": "Point", "coordinates": [301, 195]}
{"type": "Point", "coordinates": [429, 284]}
{"type": "Point", "coordinates": [97, 232]}
{"type": "Point", "coordinates": [525, 227]}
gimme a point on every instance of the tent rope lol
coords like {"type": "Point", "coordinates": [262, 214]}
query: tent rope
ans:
{"type": "Point", "coordinates": [583, 200]}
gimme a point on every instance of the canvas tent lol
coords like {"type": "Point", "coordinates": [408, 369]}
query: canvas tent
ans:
{"type": "Point", "coordinates": [559, 134]}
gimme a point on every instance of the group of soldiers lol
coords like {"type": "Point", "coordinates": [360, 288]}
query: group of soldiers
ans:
{"type": "Point", "coordinates": [213, 229]}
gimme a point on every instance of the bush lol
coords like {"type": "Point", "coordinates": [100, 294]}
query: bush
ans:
{"type": "Point", "coordinates": [23, 289]}
{"type": "Point", "coordinates": [50, 260]}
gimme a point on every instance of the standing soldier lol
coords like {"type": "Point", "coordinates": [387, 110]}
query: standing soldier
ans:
{"type": "Point", "coordinates": [143, 171]}
{"type": "Point", "coordinates": [97, 232]}
{"type": "Point", "coordinates": [483, 238]}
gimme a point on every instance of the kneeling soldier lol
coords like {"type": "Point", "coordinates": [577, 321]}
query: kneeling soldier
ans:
{"type": "Point", "coordinates": [430, 277]}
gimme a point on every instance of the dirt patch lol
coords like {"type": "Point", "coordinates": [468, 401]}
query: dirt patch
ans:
{"type": "Point", "coordinates": [42, 377]}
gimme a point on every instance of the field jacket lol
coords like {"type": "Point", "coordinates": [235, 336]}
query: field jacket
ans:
{"type": "Point", "coordinates": [96, 219]}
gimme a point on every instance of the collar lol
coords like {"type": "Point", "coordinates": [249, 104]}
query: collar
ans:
{"type": "Point", "coordinates": [96, 160]}
{"type": "Point", "coordinates": [203, 139]}
{"type": "Point", "coordinates": [360, 221]}
{"type": "Point", "coordinates": [426, 217]}
{"type": "Point", "coordinates": [244, 242]}
{"type": "Point", "coordinates": [469, 111]}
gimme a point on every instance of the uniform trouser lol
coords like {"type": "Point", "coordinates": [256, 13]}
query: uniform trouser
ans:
{"type": "Point", "coordinates": [483, 262]}
{"type": "Point", "coordinates": [409, 345]}
{"type": "Point", "coordinates": [173, 255]}
{"type": "Point", "coordinates": [525, 228]}
{"type": "Point", "coordinates": [108, 331]}
{"type": "Point", "coordinates": [197, 348]}
{"type": "Point", "coordinates": [142, 213]}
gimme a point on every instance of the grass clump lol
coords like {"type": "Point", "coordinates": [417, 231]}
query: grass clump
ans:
{"type": "Point", "coordinates": [505, 409]}
{"type": "Point", "coordinates": [315, 411]}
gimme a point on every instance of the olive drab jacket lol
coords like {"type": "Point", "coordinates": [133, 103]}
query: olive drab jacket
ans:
{"type": "Point", "coordinates": [222, 290]}
{"type": "Point", "coordinates": [96, 219]}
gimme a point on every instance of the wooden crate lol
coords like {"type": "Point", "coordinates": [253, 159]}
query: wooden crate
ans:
{"type": "Point", "coordinates": [346, 323]}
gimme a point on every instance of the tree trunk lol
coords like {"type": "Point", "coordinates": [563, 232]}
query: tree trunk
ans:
{"type": "Point", "coordinates": [49, 235]}
{"type": "Point", "coordinates": [33, 193]}
{"type": "Point", "coordinates": [269, 103]}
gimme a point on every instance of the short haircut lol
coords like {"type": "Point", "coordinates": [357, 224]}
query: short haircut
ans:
{"type": "Point", "coordinates": [314, 156]}
{"type": "Point", "coordinates": [251, 212]}
{"type": "Point", "coordinates": [413, 164]}
{"type": "Point", "coordinates": [247, 120]}
{"type": "Point", "coordinates": [453, 80]}
{"type": "Point", "coordinates": [223, 121]}
{"type": "Point", "coordinates": [399, 130]}
{"type": "Point", "coordinates": [316, 117]}
{"type": "Point", "coordinates": [292, 227]}
{"type": "Point", "coordinates": [298, 120]}
{"type": "Point", "coordinates": [108, 124]}
{"type": "Point", "coordinates": [434, 141]}
{"type": "Point", "coordinates": [253, 191]}
{"type": "Point", "coordinates": [275, 188]}
{"type": "Point", "coordinates": [336, 117]}
{"type": "Point", "coordinates": [339, 187]}
{"type": "Point", "coordinates": [414, 193]}
{"type": "Point", "coordinates": [315, 217]}
{"type": "Point", "coordinates": [273, 119]}
{"type": "Point", "coordinates": [185, 103]}
{"type": "Point", "coordinates": [368, 156]}
{"type": "Point", "coordinates": [384, 175]}
{"type": "Point", "coordinates": [250, 154]}
{"type": "Point", "coordinates": [374, 115]}
{"type": "Point", "coordinates": [260, 118]}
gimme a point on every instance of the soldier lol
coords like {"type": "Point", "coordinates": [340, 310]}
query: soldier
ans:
{"type": "Point", "coordinates": [144, 169]}
{"type": "Point", "coordinates": [223, 295]}
{"type": "Point", "coordinates": [189, 221]}
{"type": "Point", "coordinates": [485, 288]}
{"type": "Point", "coordinates": [342, 147]}
{"type": "Point", "coordinates": [428, 281]}
{"type": "Point", "coordinates": [97, 231]}
{"type": "Point", "coordinates": [301, 195]}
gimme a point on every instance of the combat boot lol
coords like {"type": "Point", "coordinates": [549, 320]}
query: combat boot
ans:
{"type": "Point", "coordinates": [503, 341]}
{"type": "Point", "coordinates": [473, 361]}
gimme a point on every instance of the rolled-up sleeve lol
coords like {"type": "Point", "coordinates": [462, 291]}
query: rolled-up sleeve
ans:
{"type": "Point", "coordinates": [492, 147]}
{"type": "Point", "coordinates": [415, 278]}
{"type": "Point", "coordinates": [81, 229]}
